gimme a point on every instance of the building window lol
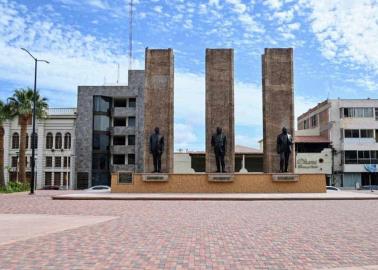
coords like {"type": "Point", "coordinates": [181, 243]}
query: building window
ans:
{"type": "Point", "coordinates": [132, 102]}
{"type": "Point", "coordinates": [131, 159]}
{"type": "Point", "coordinates": [119, 122]}
{"type": "Point", "coordinates": [100, 162]}
{"type": "Point", "coordinates": [101, 104]}
{"type": "Point", "coordinates": [120, 102]}
{"type": "Point", "coordinates": [314, 121]}
{"type": "Point", "coordinates": [131, 140]}
{"type": "Point", "coordinates": [48, 162]}
{"type": "Point", "coordinates": [15, 141]}
{"type": "Point", "coordinates": [58, 140]}
{"type": "Point", "coordinates": [34, 141]}
{"type": "Point", "coordinates": [14, 162]}
{"type": "Point", "coordinates": [56, 178]}
{"type": "Point", "coordinates": [131, 121]}
{"type": "Point", "coordinates": [100, 142]}
{"type": "Point", "coordinates": [58, 162]}
{"type": "Point", "coordinates": [350, 157]}
{"type": "Point", "coordinates": [48, 178]}
{"type": "Point", "coordinates": [26, 141]}
{"type": "Point", "coordinates": [376, 114]}
{"type": "Point", "coordinates": [101, 122]}
{"type": "Point", "coordinates": [352, 133]}
{"type": "Point", "coordinates": [367, 133]}
{"type": "Point", "coordinates": [363, 157]}
{"type": "Point", "coordinates": [118, 159]}
{"type": "Point", "coordinates": [67, 140]}
{"type": "Point", "coordinates": [119, 140]}
{"type": "Point", "coordinates": [358, 112]}
{"type": "Point", "coordinates": [305, 124]}
{"type": "Point", "coordinates": [125, 178]}
{"type": "Point", "coordinates": [49, 141]}
{"type": "Point", "coordinates": [66, 162]}
{"type": "Point", "coordinates": [66, 178]}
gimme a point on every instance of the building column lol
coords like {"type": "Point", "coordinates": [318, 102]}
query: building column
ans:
{"type": "Point", "coordinates": [40, 154]}
{"type": "Point", "coordinates": [7, 146]}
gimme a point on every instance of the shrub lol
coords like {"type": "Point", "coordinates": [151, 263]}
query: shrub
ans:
{"type": "Point", "coordinates": [15, 187]}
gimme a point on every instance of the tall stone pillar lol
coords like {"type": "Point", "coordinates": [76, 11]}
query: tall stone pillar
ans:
{"type": "Point", "coordinates": [278, 103]}
{"type": "Point", "coordinates": [220, 104]}
{"type": "Point", "coordinates": [158, 105]}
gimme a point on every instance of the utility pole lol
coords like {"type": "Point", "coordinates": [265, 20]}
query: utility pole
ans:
{"type": "Point", "coordinates": [32, 181]}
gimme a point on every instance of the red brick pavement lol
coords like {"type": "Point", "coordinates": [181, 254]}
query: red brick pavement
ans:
{"type": "Point", "coordinates": [198, 235]}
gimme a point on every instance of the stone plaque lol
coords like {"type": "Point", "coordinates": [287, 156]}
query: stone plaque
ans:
{"type": "Point", "coordinates": [285, 177]}
{"type": "Point", "coordinates": [220, 177]}
{"type": "Point", "coordinates": [156, 177]}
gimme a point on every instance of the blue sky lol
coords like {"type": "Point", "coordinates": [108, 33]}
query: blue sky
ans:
{"type": "Point", "coordinates": [335, 50]}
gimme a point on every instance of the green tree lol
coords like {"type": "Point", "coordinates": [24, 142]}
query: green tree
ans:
{"type": "Point", "coordinates": [4, 115]}
{"type": "Point", "coordinates": [21, 106]}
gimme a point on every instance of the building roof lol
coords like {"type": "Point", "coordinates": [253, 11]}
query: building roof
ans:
{"type": "Point", "coordinates": [311, 139]}
{"type": "Point", "coordinates": [313, 109]}
{"type": "Point", "coordinates": [239, 149]}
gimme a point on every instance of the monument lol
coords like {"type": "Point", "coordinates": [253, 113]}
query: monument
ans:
{"type": "Point", "coordinates": [220, 106]}
{"type": "Point", "coordinates": [158, 108]}
{"type": "Point", "coordinates": [278, 103]}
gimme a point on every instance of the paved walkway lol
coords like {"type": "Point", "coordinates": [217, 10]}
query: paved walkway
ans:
{"type": "Point", "coordinates": [196, 234]}
{"type": "Point", "coordinates": [341, 195]}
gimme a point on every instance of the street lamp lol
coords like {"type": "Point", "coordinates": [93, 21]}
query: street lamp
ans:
{"type": "Point", "coordinates": [33, 115]}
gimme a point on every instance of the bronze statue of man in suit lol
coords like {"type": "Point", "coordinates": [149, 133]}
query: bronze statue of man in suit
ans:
{"type": "Point", "coordinates": [157, 149]}
{"type": "Point", "coordinates": [218, 141]}
{"type": "Point", "coordinates": [284, 143]}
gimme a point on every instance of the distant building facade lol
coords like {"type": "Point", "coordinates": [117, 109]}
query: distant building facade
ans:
{"type": "Point", "coordinates": [109, 130]}
{"type": "Point", "coordinates": [55, 149]}
{"type": "Point", "coordinates": [247, 159]}
{"type": "Point", "coordinates": [351, 128]}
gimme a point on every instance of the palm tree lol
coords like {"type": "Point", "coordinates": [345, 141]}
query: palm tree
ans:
{"type": "Point", "coordinates": [4, 114]}
{"type": "Point", "coordinates": [21, 105]}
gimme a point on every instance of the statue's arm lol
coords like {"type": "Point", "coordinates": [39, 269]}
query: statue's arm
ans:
{"type": "Point", "coordinates": [224, 144]}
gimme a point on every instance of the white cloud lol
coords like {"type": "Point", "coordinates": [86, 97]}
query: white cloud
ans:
{"type": "Point", "coordinates": [274, 4]}
{"type": "Point", "coordinates": [158, 9]}
{"type": "Point", "coordinates": [75, 58]}
{"type": "Point", "coordinates": [347, 30]}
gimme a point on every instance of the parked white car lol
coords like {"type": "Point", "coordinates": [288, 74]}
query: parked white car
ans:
{"type": "Point", "coordinates": [99, 189]}
{"type": "Point", "coordinates": [332, 188]}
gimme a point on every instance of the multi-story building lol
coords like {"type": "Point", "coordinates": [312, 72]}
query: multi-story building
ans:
{"type": "Point", "coordinates": [54, 149]}
{"type": "Point", "coordinates": [109, 130]}
{"type": "Point", "coordinates": [351, 127]}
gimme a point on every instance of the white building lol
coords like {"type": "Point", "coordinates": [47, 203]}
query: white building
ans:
{"type": "Point", "coordinates": [55, 151]}
{"type": "Point", "coordinates": [351, 126]}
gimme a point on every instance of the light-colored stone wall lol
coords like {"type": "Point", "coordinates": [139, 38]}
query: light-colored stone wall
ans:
{"type": "Point", "coordinates": [158, 104]}
{"type": "Point", "coordinates": [243, 183]}
{"type": "Point", "coordinates": [220, 104]}
{"type": "Point", "coordinates": [278, 103]}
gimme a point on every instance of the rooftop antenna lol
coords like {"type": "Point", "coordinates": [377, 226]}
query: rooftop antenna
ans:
{"type": "Point", "coordinates": [130, 34]}
{"type": "Point", "coordinates": [117, 73]}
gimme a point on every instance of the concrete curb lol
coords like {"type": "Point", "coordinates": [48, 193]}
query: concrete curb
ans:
{"type": "Point", "coordinates": [203, 197]}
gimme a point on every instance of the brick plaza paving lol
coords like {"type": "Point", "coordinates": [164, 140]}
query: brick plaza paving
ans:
{"type": "Point", "coordinates": [197, 235]}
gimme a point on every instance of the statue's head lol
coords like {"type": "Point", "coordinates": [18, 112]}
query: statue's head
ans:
{"type": "Point", "coordinates": [219, 130]}
{"type": "Point", "coordinates": [284, 130]}
{"type": "Point", "coordinates": [157, 130]}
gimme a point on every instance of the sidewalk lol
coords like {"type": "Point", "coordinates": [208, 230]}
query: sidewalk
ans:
{"type": "Point", "coordinates": [341, 195]}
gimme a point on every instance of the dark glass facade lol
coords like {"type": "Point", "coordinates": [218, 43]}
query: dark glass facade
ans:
{"type": "Point", "coordinates": [101, 140]}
